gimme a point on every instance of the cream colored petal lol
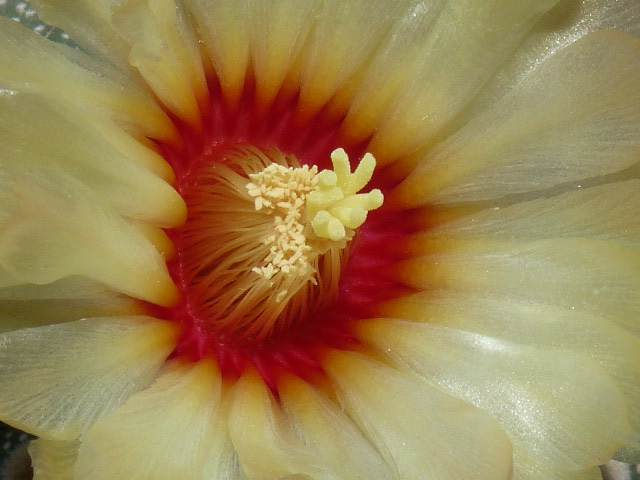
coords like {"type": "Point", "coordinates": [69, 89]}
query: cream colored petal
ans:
{"type": "Point", "coordinates": [536, 325]}
{"type": "Point", "coordinates": [528, 468]}
{"type": "Point", "coordinates": [139, 150]}
{"type": "Point", "coordinates": [38, 138]}
{"type": "Point", "coordinates": [420, 431]}
{"type": "Point", "coordinates": [66, 300]}
{"type": "Point", "coordinates": [594, 277]}
{"type": "Point", "coordinates": [173, 429]}
{"type": "Point", "coordinates": [398, 58]}
{"type": "Point", "coordinates": [278, 32]}
{"type": "Point", "coordinates": [563, 25]}
{"type": "Point", "coordinates": [573, 117]}
{"type": "Point", "coordinates": [29, 62]}
{"type": "Point", "coordinates": [88, 24]}
{"type": "Point", "coordinates": [224, 28]}
{"type": "Point", "coordinates": [604, 212]}
{"type": "Point", "coordinates": [620, 15]}
{"type": "Point", "coordinates": [266, 446]}
{"type": "Point", "coordinates": [53, 459]}
{"type": "Point", "coordinates": [561, 408]}
{"type": "Point", "coordinates": [457, 57]}
{"type": "Point", "coordinates": [343, 37]}
{"type": "Point", "coordinates": [58, 380]}
{"type": "Point", "coordinates": [345, 453]}
{"type": "Point", "coordinates": [165, 50]}
{"type": "Point", "coordinates": [158, 237]}
{"type": "Point", "coordinates": [8, 201]}
{"type": "Point", "coordinates": [60, 229]}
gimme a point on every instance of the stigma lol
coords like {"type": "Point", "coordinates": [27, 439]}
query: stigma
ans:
{"type": "Point", "coordinates": [312, 212]}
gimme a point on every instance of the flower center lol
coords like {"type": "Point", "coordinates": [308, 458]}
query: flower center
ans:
{"type": "Point", "coordinates": [265, 238]}
{"type": "Point", "coordinates": [279, 254]}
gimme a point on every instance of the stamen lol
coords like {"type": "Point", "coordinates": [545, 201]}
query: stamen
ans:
{"type": "Point", "coordinates": [281, 191]}
{"type": "Point", "coordinates": [261, 255]}
{"type": "Point", "coordinates": [301, 197]}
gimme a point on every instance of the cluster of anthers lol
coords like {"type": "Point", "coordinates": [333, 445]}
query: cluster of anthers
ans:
{"type": "Point", "coordinates": [311, 210]}
{"type": "Point", "coordinates": [281, 192]}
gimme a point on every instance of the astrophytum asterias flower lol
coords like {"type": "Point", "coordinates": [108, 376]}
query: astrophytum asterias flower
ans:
{"type": "Point", "coordinates": [259, 239]}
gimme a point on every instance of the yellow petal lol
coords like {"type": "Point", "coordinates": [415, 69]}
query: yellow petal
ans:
{"type": "Point", "coordinates": [420, 431]}
{"type": "Point", "coordinates": [604, 212]}
{"type": "Point", "coordinates": [224, 29]}
{"type": "Point", "coordinates": [62, 301]}
{"type": "Point", "coordinates": [67, 145]}
{"type": "Point", "coordinates": [341, 448]}
{"type": "Point", "coordinates": [561, 408]}
{"type": "Point", "coordinates": [60, 229]}
{"type": "Point", "coordinates": [139, 150]}
{"type": "Point", "coordinates": [456, 58]}
{"type": "Point", "coordinates": [536, 325]}
{"type": "Point", "coordinates": [174, 429]}
{"type": "Point", "coordinates": [88, 24]}
{"type": "Point", "coordinates": [266, 446]}
{"type": "Point", "coordinates": [278, 32]}
{"type": "Point", "coordinates": [29, 62]}
{"type": "Point", "coordinates": [165, 50]}
{"type": "Point", "coordinates": [158, 237]}
{"type": "Point", "coordinates": [528, 468]}
{"type": "Point", "coordinates": [621, 15]}
{"type": "Point", "coordinates": [53, 459]}
{"type": "Point", "coordinates": [341, 40]}
{"type": "Point", "coordinates": [573, 117]}
{"type": "Point", "coordinates": [590, 276]}
{"type": "Point", "coordinates": [561, 26]}
{"type": "Point", "coordinates": [397, 59]}
{"type": "Point", "coordinates": [58, 380]}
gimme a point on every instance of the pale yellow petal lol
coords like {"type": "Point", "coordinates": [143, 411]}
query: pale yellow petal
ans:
{"type": "Point", "coordinates": [66, 300]}
{"type": "Point", "coordinates": [66, 144]}
{"type": "Point", "coordinates": [419, 430]}
{"type": "Point", "coordinates": [8, 201]}
{"type": "Point", "coordinates": [397, 59]}
{"type": "Point", "coordinates": [165, 50]}
{"type": "Point", "coordinates": [158, 237]}
{"type": "Point", "coordinates": [58, 380]}
{"type": "Point", "coordinates": [60, 229]}
{"type": "Point", "coordinates": [528, 468]}
{"type": "Point", "coordinates": [223, 26]}
{"type": "Point", "coordinates": [278, 32]}
{"type": "Point", "coordinates": [341, 448]}
{"type": "Point", "coordinates": [456, 58]}
{"type": "Point", "coordinates": [88, 24]}
{"type": "Point", "coordinates": [591, 276]}
{"type": "Point", "coordinates": [620, 15]}
{"type": "Point", "coordinates": [139, 150]}
{"type": "Point", "coordinates": [560, 407]}
{"type": "Point", "coordinates": [573, 117]}
{"type": "Point", "coordinates": [341, 41]}
{"type": "Point", "coordinates": [603, 212]}
{"type": "Point", "coordinates": [561, 26]}
{"type": "Point", "coordinates": [53, 459]}
{"type": "Point", "coordinates": [533, 324]}
{"type": "Point", "coordinates": [266, 445]}
{"type": "Point", "coordinates": [29, 62]}
{"type": "Point", "coordinates": [174, 429]}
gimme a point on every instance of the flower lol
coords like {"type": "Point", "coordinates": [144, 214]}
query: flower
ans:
{"type": "Point", "coordinates": [191, 289]}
